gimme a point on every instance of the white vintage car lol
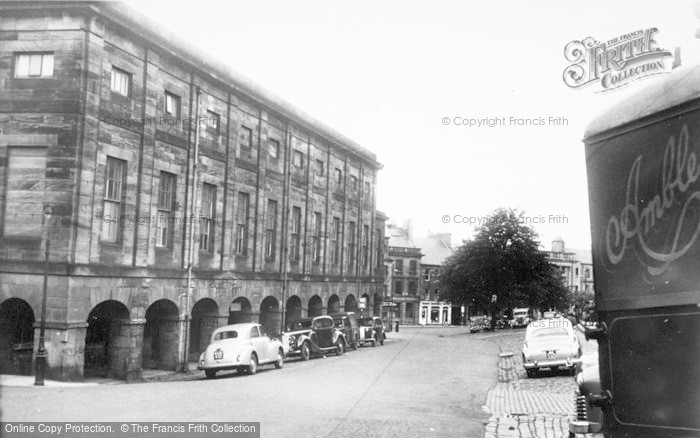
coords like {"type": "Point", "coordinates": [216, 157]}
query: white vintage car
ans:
{"type": "Point", "coordinates": [550, 343]}
{"type": "Point", "coordinates": [240, 347]}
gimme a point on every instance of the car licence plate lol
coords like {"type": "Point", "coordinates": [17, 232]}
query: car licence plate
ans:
{"type": "Point", "coordinates": [218, 355]}
{"type": "Point", "coordinates": [551, 354]}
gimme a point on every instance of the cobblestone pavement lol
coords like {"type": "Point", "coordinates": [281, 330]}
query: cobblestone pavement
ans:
{"type": "Point", "coordinates": [528, 407]}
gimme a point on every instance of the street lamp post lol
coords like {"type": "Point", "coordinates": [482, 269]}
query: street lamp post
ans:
{"type": "Point", "coordinates": [41, 351]}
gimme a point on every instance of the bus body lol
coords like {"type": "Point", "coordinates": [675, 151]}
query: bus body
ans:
{"type": "Point", "coordinates": [643, 167]}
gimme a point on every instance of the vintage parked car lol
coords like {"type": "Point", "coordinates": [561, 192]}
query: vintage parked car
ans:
{"type": "Point", "coordinates": [589, 418]}
{"type": "Point", "coordinates": [521, 318]}
{"type": "Point", "coordinates": [293, 332]}
{"type": "Point", "coordinates": [321, 338]}
{"type": "Point", "coordinates": [241, 347]}
{"type": "Point", "coordinates": [550, 343]}
{"type": "Point", "coordinates": [501, 323]}
{"type": "Point", "coordinates": [347, 323]}
{"type": "Point", "coordinates": [477, 323]}
{"type": "Point", "coordinates": [371, 330]}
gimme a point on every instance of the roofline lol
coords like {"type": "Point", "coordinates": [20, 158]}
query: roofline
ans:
{"type": "Point", "coordinates": [151, 33]}
{"type": "Point", "coordinates": [672, 90]}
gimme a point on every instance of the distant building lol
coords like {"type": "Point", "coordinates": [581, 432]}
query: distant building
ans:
{"type": "Point", "coordinates": [436, 248]}
{"type": "Point", "coordinates": [575, 266]}
{"type": "Point", "coordinates": [404, 263]}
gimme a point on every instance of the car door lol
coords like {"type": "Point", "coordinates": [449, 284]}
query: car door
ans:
{"type": "Point", "coordinates": [258, 343]}
{"type": "Point", "coordinates": [267, 344]}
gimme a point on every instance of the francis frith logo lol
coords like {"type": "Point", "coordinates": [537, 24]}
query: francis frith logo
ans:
{"type": "Point", "coordinates": [616, 62]}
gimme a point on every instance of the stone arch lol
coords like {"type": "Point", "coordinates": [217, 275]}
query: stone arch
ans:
{"type": "Point", "coordinates": [315, 306]}
{"type": "Point", "coordinates": [16, 337]}
{"type": "Point", "coordinates": [270, 315]}
{"type": "Point", "coordinates": [293, 309]}
{"type": "Point", "coordinates": [333, 304]}
{"type": "Point", "coordinates": [350, 303]}
{"type": "Point", "coordinates": [107, 340]}
{"type": "Point", "coordinates": [367, 311]}
{"type": "Point", "coordinates": [240, 311]}
{"type": "Point", "coordinates": [160, 336]}
{"type": "Point", "coordinates": [205, 319]}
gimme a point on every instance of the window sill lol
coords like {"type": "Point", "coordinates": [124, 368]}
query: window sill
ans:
{"type": "Point", "coordinates": [117, 95]}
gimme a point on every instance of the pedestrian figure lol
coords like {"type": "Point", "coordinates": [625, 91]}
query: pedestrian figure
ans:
{"type": "Point", "coordinates": [397, 326]}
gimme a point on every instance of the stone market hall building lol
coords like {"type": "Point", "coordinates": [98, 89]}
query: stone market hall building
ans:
{"type": "Point", "coordinates": [148, 153]}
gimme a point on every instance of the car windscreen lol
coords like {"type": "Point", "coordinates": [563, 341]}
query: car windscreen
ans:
{"type": "Point", "coordinates": [298, 325]}
{"type": "Point", "coordinates": [323, 323]}
{"type": "Point", "coordinates": [366, 322]}
{"type": "Point", "coordinates": [229, 334]}
{"type": "Point", "coordinates": [548, 333]}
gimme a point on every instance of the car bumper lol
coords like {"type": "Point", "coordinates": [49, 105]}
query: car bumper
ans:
{"type": "Point", "coordinates": [569, 362]}
{"type": "Point", "coordinates": [220, 366]}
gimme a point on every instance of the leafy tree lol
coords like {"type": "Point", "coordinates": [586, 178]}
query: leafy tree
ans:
{"type": "Point", "coordinates": [504, 259]}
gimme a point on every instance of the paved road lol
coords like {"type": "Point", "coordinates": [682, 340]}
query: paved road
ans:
{"type": "Point", "coordinates": [423, 382]}
{"type": "Point", "coordinates": [529, 407]}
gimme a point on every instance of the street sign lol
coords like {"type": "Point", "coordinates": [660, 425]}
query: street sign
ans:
{"type": "Point", "coordinates": [363, 303]}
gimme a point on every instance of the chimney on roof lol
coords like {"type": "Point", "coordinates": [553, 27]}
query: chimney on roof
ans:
{"type": "Point", "coordinates": [408, 227]}
{"type": "Point", "coordinates": [558, 244]}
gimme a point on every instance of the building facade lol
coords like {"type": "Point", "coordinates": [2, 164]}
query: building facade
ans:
{"type": "Point", "coordinates": [404, 260]}
{"type": "Point", "coordinates": [183, 197]}
{"type": "Point", "coordinates": [436, 248]}
{"type": "Point", "coordinates": [575, 265]}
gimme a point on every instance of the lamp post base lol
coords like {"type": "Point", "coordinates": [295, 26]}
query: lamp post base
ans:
{"type": "Point", "coordinates": [40, 368]}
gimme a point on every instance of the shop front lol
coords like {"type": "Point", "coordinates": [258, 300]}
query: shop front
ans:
{"type": "Point", "coordinates": [435, 313]}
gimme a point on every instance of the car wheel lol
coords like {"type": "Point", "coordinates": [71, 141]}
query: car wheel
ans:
{"type": "Point", "coordinates": [305, 351]}
{"type": "Point", "coordinates": [373, 342]}
{"type": "Point", "coordinates": [381, 342]}
{"type": "Point", "coordinates": [532, 373]}
{"type": "Point", "coordinates": [339, 347]}
{"type": "Point", "coordinates": [253, 367]}
{"type": "Point", "coordinates": [280, 359]}
{"type": "Point", "coordinates": [210, 373]}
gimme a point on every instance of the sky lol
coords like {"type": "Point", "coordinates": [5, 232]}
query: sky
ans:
{"type": "Point", "coordinates": [389, 74]}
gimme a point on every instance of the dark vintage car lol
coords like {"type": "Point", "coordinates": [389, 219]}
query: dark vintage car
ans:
{"type": "Point", "coordinates": [477, 323]}
{"type": "Point", "coordinates": [322, 337]}
{"type": "Point", "coordinates": [346, 322]}
{"type": "Point", "coordinates": [293, 332]}
{"type": "Point", "coordinates": [372, 330]}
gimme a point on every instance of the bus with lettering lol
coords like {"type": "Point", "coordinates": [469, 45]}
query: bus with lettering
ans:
{"type": "Point", "coordinates": [643, 168]}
